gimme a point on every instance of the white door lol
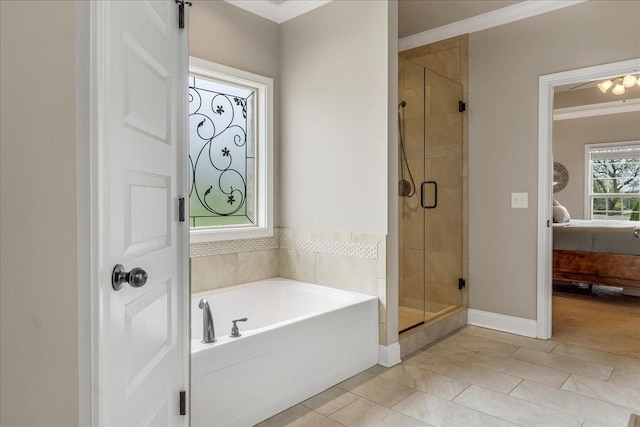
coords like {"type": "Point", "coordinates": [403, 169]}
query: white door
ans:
{"type": "Point", "coordinates": [142, 346]}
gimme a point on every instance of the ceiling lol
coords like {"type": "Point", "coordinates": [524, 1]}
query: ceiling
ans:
{"type": "Point", "coordinates": [588, 94]}
{"type": "Point", "coordinates": [278, 11]}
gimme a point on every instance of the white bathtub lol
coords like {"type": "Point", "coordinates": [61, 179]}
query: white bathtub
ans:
{"type": "Point", "coordinates": [299, 340]}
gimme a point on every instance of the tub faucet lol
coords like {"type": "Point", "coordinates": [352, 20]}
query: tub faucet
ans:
{"type": "Point", "coordinates": [208, 333]}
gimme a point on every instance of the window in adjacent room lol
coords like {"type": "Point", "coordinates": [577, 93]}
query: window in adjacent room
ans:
{"type": "Point", "coordinates": [613, 181]}
{"type": "Point", "coordinates": [230, 156]}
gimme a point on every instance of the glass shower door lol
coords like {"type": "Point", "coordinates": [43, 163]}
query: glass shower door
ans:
{"type": "Point", "coordinates": [442, 195]}
{"type": "Point", "coordinates": [411, 215]}
{"type": "Point", "coordinates": [430, 195]}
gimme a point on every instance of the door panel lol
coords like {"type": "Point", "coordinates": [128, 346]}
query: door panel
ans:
{"type": "Point", "coordinates": [431, 219]}
{"type": "Point", "coordinates": [141, 92]}
{"type": "Point", "coordinates": [148, 333]}
{"type": "Point", "coordinates": [411, 223]}
{"type": "Point", "coordinates": [148, 92]}
{"type": "Point", "coordinates": [143, 232]}
{"type": "Point", "coordinates": [443, 166]}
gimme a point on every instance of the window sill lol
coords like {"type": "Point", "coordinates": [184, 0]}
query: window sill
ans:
{"type": "Point", "coordinates": [231, 233]}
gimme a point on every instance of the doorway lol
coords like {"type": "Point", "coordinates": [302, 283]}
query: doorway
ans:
{"type": "Point", "coordinates": [547, 86]}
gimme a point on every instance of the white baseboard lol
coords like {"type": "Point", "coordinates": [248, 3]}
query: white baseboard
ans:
{"type": "Point", "coordinates": [632, 292]}
{"type": "Point", "coordinates": [389, 355]}
{"type": "Point", "coordinates": [502, 322]}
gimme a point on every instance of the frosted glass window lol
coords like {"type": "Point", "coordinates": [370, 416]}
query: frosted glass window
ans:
{"type": "Point", "coordinates": [221, 135]}
{"type": "Point", "coordinates": [230, 167]}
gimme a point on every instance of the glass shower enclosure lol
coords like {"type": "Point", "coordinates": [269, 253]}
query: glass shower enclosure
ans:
{"type": "Point", "coordinates": [430, 195]}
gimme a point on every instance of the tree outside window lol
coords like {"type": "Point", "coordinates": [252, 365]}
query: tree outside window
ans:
{"type": "Point", "coordinates": [614, 184]}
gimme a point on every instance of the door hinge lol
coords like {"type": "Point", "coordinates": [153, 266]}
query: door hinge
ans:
{"type": "Point", "coordinates": [183, 402]}
{"type": "Point", "coordinates": [181, 4]}
{"type": "Point", "coordinates": [181, 209]}
{"type": "Point", "coordinates": [462, 283]}
{"type": "Point", "coordinates": [548, 225]}
{"type": "Point", "coordinates": [462, 107]}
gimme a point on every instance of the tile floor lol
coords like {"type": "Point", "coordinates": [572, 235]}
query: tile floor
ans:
{"type": "Point", "coordinates": [481, 377]}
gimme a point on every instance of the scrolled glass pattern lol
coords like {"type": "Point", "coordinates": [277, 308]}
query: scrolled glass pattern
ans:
{"type": "Point", "coordinates": [220, 153]}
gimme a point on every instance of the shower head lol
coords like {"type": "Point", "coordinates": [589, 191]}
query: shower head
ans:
{"type": "Point", "coordinates": [402, 104]}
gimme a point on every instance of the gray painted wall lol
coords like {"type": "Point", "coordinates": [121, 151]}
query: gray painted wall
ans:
{"type": "Point", "coordinates": [569, 139]}
{"type": "Point", "coordinates": [334, 118]}
{"type": "Point", "coordinates": [504, 66]}
{"type": "Point", "coordinates": [228, 35]}
{"type": "Point", "coordinates": [39, 320]}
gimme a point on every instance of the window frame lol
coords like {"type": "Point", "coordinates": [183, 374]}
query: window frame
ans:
{"type": "Point", "coordinates": [588, 148]}
{"type": "Point", "coordinates": [263, 87]}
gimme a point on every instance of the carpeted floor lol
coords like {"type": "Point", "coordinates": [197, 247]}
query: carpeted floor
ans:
{"type": "Point", "coordinates": [604, 320]}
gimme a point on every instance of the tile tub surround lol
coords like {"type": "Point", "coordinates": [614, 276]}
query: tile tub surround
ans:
{"type": "Point", "coordinates": [479, 377]}
{"type": "Point", "coordinates": [349, 261]}
{"type": "Point", "coordinates": [220, 270]}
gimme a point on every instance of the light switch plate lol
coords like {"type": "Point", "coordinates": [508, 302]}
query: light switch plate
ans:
{"type": "Point", "coordinates": [519, 200]}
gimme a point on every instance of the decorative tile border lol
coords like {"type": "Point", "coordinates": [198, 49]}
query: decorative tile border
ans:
{"type": "Point", "coordinates": [334, 247]}
{"type": "Point", "coordinates": [233, 246]}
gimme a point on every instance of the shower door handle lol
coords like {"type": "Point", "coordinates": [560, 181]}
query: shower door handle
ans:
{"type": "Point", "coordinates": [435, 194]}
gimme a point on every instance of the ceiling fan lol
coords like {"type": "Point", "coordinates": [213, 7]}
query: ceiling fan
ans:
{"type": "Point", "coordinates": [620, 84]}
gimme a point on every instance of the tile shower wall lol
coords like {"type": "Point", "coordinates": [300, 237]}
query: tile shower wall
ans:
{"type": "Point", "coordinates": [354, 262]}
{"type": "Point", "coordinates": [447, 58]}
{"type": "Point", "coordinates": [411, 224]}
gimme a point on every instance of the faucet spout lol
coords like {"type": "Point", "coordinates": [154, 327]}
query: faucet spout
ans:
{"type": "Point", "coordinates": [208, 333]}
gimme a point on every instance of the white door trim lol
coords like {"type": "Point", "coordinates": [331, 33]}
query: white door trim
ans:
{"type": "Point", "coordinates": [83, 179]}
{"type": "Point", "coordinates": [184, 263]}
{"type": "Point", "coordinates": [601, 109]}
{"type": "Point", "coordinates": [547, 83]}
{"type": "Point", "coordinates": [94, 212]}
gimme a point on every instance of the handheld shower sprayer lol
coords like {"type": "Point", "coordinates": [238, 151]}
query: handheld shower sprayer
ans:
{"type": "Point", "coordinates": [405, 188]}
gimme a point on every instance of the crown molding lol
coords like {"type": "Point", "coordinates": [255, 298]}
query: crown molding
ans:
{"type": "Point", "coordinates": [278, 13]}
{"type": "Point", "coordinates": [263, 8]}
{"type": "Point", "coordinates": [292, 8]}
{"type": "Point", "coordinates": [505, 15]}
{"type": "Point", "coordinates": [602, 109]}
